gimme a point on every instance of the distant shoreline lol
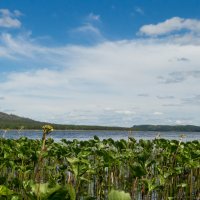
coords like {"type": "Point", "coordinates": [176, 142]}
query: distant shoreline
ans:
{"type": "Point", "coordinates": [13, 122]}
{"type": "Point", "coordinates": [89, 130]}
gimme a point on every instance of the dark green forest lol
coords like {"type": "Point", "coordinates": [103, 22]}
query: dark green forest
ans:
{"type": "Point", "coordinates": [185, 128]}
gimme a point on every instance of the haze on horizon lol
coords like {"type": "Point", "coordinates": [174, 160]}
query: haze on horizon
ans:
{"type": "Point", "coordinates": [115, 63]}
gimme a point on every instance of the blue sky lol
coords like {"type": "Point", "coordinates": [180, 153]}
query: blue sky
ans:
{"type": "Point", "coordinates": [117, 19]}
{"type": "Point", "coordinates": [101, 62]}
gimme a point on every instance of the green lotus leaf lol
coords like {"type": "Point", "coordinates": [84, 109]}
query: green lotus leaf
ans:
{"type": "Point", "coordinates": [4, 191]}
{"type": "Point", "coordinates": [118, 195]}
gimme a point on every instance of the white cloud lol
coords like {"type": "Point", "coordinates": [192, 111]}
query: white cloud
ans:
{"type": "Point", "coordinates": [93, 17]}
{"type": "Point", "coordinates": [157, 113]}
{"type": "Point", "coordinates": [183, 122]}
{"type": "Point", "coordinates": [179, 122]}
{"type": "Point", "coordinates": [125, 112]}
{"type": "Point", "coordinates": [17, 13]}
{"type": "Point", "coordinates": [179, 76]}
{"type": "Point", "coordinates": [139, 10]}
{"type": "Point", "coordinates": [88, 31]}
{"type": "Point", "coordinates": [9, 19]}
{"type": "Point", "coordinates": [171, 25]}
{"type": "Point", "coordinates": [195, 100]}
{"type": "Point", "coordinates": [99, 84]}
{"type": "Point", "coordinates": [88, 28]}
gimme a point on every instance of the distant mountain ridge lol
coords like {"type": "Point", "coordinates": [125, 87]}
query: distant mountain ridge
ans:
{"type": "Point", "coordinates": [10, 121]}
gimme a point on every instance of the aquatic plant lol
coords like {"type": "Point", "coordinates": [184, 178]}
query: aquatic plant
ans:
{"type": "Point", "coordinates": [99, 169]}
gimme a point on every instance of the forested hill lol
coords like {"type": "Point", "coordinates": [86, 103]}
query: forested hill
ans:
{"type": "Point", "coordinates": [9, 121]}
{"type": "Point", "coordinates": [160, 128]}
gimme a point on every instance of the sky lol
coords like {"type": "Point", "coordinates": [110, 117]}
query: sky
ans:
{"type": "Point", "coordinates": [113, 63]}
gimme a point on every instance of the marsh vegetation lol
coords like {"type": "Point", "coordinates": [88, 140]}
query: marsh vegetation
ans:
{"type": "Point", "coordinates": [99, 169]}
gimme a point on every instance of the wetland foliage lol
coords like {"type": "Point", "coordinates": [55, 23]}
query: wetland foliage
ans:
{"type": "Point", "coordinates": [99, 169]}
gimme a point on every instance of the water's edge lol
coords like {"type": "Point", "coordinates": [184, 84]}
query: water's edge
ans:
{"type": "Point", "coordinates": [86, 135]}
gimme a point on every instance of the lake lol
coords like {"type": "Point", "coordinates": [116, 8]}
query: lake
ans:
{"type": "Point", "coordinates": [86, 135]}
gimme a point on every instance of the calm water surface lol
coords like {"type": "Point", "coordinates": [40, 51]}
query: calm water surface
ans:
{"type": "Point", "coordinates": [86, 135]}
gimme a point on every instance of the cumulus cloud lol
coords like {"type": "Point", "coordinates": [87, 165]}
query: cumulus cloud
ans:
{"type": "Point", "coordinates": [143, 95]}
{"type": "Point", "coordinates": [87, 32]}
{"type": "Point", "coordinates": [139, 10]}
{"type": "Point", "coordinates": [10, 19]}
{"type": "Point", "coordinates": [157, 113]}
{"type": "Point", "coordinates": [194, 100]}
{"type": "Point", "coordinates": [88, 28]}
{"type": "Point", "coordinates": [125, 112]}
{"type": "Point", "coordinates": [171, 25]}
{"type": "Point", "coordinates": [76, 83]}
{"type": "Point", "coordinates": [93, 17]}
{"type": "Point", "coordinates": [179, 76]}
{"type": "Point", "coordinates": [166, 97]}
{"type": "Point", "coordinates": [172, 105]}
{"type": "Point", "coordinates": [183, 59]}
{"type": "Point", "coordinates": [183, 122]}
